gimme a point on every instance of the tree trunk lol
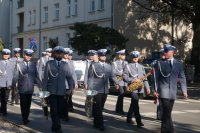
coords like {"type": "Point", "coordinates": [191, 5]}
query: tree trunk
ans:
{"type": "Point", "coordinates": [195, 56]}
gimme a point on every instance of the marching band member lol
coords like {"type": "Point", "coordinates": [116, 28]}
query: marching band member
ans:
{"type": "Point", "coordinates": [6, 77]}
{"type": "Point", "coordinates": [118, 67]}
{"type": "Point", "coordinates": [42, 62]}
{"type": "Point", "coordinates": [14, 91]}
{"type": "Point", "coordinates": [157, 101]}
{"type": "Point", "coordinates": [132, 74]}
{"type": "Point", "coordinates": [25, 75]}
{"type": "Point", "coordinates": [167, 72]}
{"type": "Point", "coordinates": [92, 55]}
{"type": "Point", "coordinates": [56, 73]}
{"type": "Point", "coordinates": [69, 91]}
{"type": "Point", "coordinates": [70, 61]}
{"type": "Point", "coordinates": [98, 79]}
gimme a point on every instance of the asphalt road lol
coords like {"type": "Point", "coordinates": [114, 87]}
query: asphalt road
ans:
{"type": "Point", "coordinates": [186, 117]}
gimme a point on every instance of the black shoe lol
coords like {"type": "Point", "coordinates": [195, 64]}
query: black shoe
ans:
{"type": "Point", "coordinates": [130, 121]}
{"type": "Point", "coordinates": [96, 126]}
{"type": "Point", "coordinates": [66, 119]}
{"type": "Point", "coordinates": [71, 109]}
{"type": "Point", "coordinates": [53, 129]}
{"type": "Point", "coordinates": [12, 103]}
{"type": "Point", "coordinates": [140, 124]}
{"type": "Point", "coordinates": [101, 128]}
{"type": "Point", "coordinates": [17, 103]}
{"type": "Point", "coordinates": [120, 112]}
{"type": "Point", "coordinates": [26, 122]}
{"type": "Point", "coordinates": [4, 113]}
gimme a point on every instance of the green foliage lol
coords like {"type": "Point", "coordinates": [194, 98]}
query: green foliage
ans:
{"type": "Point", "coordinates": [91, 36]}
{"type": "Point", "coordinates": [1, 44]}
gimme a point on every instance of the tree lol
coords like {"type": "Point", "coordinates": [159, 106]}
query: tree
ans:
{"type": "Point", "coordinates": [1, 44]}
{"type": "Point", "coordinates": [187, 10]}
{"type": "Point", "coordinates": [53, 42]}
{"type": "Point", "coordinates": [91, 36]}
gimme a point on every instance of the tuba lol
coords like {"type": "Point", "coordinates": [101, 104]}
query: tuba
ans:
{"type": "Point", "coordinates": [137, 85]}
{"type": "Point", "coordinates": [43, 95]}
{"type": "Point", "coordinates": [89, 102]}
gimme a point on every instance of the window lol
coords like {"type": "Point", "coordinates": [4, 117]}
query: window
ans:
{"type": "Point", "coordinates": [101, 4]}
{"type": "Point", "coordinates": [33, 17]}
{"type": "Point", "coordinates": [45, 14]}
{"type": "Point", "coordinates": [29, 21]}
{"type": "Point", "coordinates": [68, 8]}
{"type": "Point", "coordinates": [45, 42]}
{"type": "Point", "coordinates": [92, 5]}
{"type": "Point", "coordinates": [57, 11]}
{"type": "Point", "coordinates": [75, 8]}
{"type": "Point", "coordinates": [67, 39]}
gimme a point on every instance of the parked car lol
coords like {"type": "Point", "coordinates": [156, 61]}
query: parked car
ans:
{"type": "Point", "coordinates": [80, 66]}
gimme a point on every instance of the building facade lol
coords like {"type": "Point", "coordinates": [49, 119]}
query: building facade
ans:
{"type": "Point", "coordinates": [147, 33]}
{"type": "Point", "coordinates": [5, 22]}
{"type": "Point", "coordinates": [51, 19]}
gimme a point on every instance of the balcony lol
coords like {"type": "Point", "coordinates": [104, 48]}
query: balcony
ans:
{"type": "Point", "coordinates": [20, 3]}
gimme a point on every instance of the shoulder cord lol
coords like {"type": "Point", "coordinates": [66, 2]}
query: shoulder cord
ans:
{"type": "Point", "coordinates": [43, 61]}
{"type": "Point", "coordinates": [20, 71]}
{"type": "Point", "coordinates": [166, 76]}
{"type": "Point", "coordinates": [129, 71]}
{"type": "Point", "coordinates": [117, 68]}
{"type": "Point", "coordinates": [3, 73]}
{"type": "Point", "coordinates": [99, 76]}
{"type": "Point", "coordinates": [56, 75]}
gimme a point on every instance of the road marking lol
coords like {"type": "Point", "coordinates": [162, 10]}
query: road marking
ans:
{"type": "Point", "coordinates": [192, 111]}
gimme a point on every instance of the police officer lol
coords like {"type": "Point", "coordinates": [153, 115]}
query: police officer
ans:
{"type": "Point", "coordinates": [70, 61]}
{"type": "Point", "coordinates": [132, 73]}
{"type": "Point", "coordinates": [49, 53]}
{"type": "Point", "coordinates": [118, 68]}
{"type": "Point", "coordinates": [158, 112]}
{"type": "Point", "coordinates": [25, 75]}
{"type": "Point", "coordinates": [167, 72]}
{"type": "Point", "coordinates": [6, 77]}
{"type": "Point", "coordinates": [42, 62]}
{"type": "Point", "coordinates": [14, 91]}
{"type": "Point", "coordinates": [98, 79]}
{"type": "Point", "coordinates": [92, 55]}
{"type": "Point", "coordinates": [69, 91]}
{"type": "Point", "coordinates": [55, 75]}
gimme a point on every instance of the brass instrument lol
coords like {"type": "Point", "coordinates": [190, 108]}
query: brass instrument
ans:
{"type": "Point", "coordinates": [89, 101]}
{"type": "Point", "coordinates": [137, 85]}
{"type": "Point", "coordinates": [119, 77]}
{"type": "Point", "coordinates": [43, 101]}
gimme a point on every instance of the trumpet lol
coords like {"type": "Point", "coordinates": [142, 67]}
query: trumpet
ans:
{"type": "Point", "coordinates": [137, 85]}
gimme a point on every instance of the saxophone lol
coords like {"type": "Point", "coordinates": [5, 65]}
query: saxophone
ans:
{"type": "Point", "coordinates": [137, 85]}
{"type": "Point", "coordinates": [119, 77]}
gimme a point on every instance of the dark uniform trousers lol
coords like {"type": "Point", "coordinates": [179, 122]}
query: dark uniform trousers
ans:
{"type": "Point", "coordinates": [119, 105]}
{"type": "Point", "coordinates": [25, 104]}
{"type": "Point", "coordinates": [98, 105]}
{"type": "Point", "coordinates": [134, 108]}
{"type": "Point", "coordinates": [70, 103]}
{"type": "Point", "coordinates": [66, 106]}
{"type": "Point", "coordinates": [167, 124]}
{"type": "Point", "coordinates": [56, 110]}
{"type": "Point", "coordinates": [4, 98]}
